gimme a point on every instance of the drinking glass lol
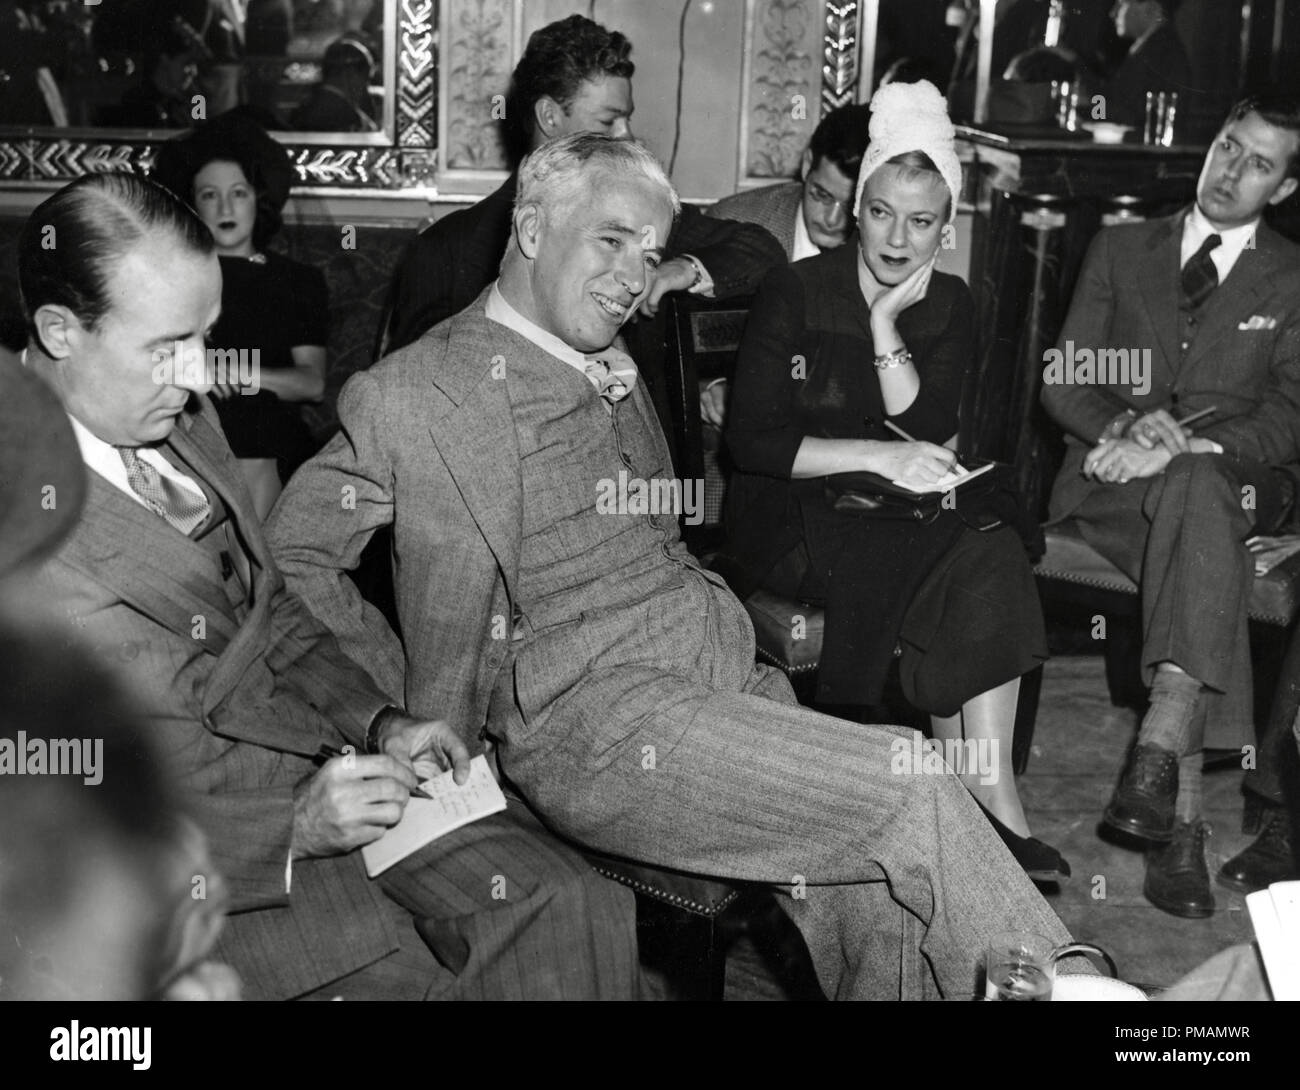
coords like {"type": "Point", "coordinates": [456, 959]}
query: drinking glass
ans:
{"type": "Point", "coordinates": [1021, 965]}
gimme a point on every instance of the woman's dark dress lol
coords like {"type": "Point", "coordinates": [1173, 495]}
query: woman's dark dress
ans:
{"type": "Point", "coordinates": [272, 307]}
{"type": "Point", "coordinates": [961, 606]}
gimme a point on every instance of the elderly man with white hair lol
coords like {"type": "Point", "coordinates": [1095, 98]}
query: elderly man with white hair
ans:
{"type": "Point", "coordinates": [615, 675]}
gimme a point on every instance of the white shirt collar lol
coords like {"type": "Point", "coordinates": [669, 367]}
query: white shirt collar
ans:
{"type": "Point", "coordinates": [501, 312]}
{"type": "Point", "coordinates": [1196, 229]}
{"type": "Point", "coordinates": [104, 459]}
{"type": "Point", "coordinates": [803, 243]}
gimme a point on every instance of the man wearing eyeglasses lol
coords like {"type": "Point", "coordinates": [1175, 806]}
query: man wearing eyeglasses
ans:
{"type": "Point", "coordinates": [815, 214]}
{"type": "Point", "coordinates": [805, 217]}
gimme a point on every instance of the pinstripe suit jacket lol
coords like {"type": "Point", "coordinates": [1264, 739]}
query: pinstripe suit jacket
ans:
{"type": "Point", "coordinates": [237, 709]}
{"type": "Point", "coordinates": [428, 444]}
{"type": "Point", "coordinates": [773, 207]}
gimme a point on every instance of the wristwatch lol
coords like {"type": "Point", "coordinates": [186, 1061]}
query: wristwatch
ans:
{"type": "Point", "coordinates": [376, 724]}
{"type": "Point", "coordinates": [699, 271]}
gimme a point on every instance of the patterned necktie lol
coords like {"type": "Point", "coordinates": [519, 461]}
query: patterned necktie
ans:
{"type": "Point", "coordinates": [1200, 277]}
{"type": "Point", "coordinates": [180, 506]}
{"type": "Point", "coordinates": [612, 373]}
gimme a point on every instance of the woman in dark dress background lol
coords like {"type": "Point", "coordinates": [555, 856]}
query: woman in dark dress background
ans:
{"type": "Point", "coordinates": [237, 178]}
{"type": "Point", "coordinates": [959, 605]}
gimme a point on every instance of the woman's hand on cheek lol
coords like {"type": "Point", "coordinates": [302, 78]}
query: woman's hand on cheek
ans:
{"type": "Point", "coordinates": [891, 303]}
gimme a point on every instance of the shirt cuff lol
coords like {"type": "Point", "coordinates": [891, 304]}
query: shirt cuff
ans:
{"type": "Point", "coordinates": [704, 282]}
{"type": "Point", "coordinates": [288, 874]}
{"type": "Point", "coordinates": [1116, 425]}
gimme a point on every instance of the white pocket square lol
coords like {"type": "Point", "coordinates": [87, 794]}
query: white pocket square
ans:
{"type": "Point", "coordinates": [1258, 321]}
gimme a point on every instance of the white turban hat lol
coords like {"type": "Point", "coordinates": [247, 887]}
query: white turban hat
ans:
{"type": "Point", "coordinates": [911, 117]}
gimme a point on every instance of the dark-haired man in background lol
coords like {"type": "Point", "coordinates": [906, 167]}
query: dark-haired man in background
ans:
{"type": "Point", "coordinates": [341, 101]}
{"type": "Point", "coordinates": [575, 76]}
{"type": "Point", "coordinates": [815, 214]}
{"type": "Point", "coordinates": [805, 217]}
{"type": "Point", "coordinates": [1208, 299]}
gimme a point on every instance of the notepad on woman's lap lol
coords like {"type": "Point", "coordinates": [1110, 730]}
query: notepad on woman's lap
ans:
{"type": "Point", "coordinates": [448, 807]}
{"type": "Point", "coordinates": [954, 478]}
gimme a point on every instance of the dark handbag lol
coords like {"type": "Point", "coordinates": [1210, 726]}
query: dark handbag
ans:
{"type": "Point", "coordinates": [870, 495]}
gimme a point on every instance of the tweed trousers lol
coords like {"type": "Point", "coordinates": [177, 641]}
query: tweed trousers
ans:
{"type": "Point", "coordinates": [1181, 537]}
{"type": "Point", "coordinates": [890, 871]}
{"type": "Point", "coordinates": [634, 720]}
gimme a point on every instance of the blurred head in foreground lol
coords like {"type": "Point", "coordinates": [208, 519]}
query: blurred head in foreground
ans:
{"type": "Point", "coordinates": [106, 891]}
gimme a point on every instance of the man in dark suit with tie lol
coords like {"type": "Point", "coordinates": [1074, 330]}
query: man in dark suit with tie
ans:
{"type": "Point", "coordinates": [168, 576]}
{"type": "Point", "coordinates": [1200, 310]}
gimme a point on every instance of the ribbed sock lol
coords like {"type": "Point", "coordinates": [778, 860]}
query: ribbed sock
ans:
{"type": "Point", "coordinates": [1168, 722]}
{"type": "Point", "coordinates": [1190, 795]}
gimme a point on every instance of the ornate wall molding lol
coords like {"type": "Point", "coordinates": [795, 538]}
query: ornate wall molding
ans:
{"type": "Point", "coordinates": [478, 58]}
{"type": "Point", "coordinates": [785, 92]}
{"type": "Point", "coordinates": [779, 94]}
{"type": "Point", "coordinates": [404, 156]}
{"type": "Point", "coordinates": [840, 54]}
{"type": "Point", "coordinates": [445, 59]}
{"type": "Point", "coordinates": [417, 90]}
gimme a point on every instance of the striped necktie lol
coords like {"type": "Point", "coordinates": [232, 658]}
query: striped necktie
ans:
{"type": "Point", "coordinates": [1200, 277]}
{"type": "Point", "coordinates": [183, 508]}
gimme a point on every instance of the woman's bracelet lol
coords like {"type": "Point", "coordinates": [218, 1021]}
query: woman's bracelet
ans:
{"type": "Point", "coordinates": [896, 358]}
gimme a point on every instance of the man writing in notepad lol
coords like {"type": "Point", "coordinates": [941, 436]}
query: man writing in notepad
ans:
{"type": "Point", "coordinates": [168, 576]}
{"type": "Point", "coordinates": [1211, 293]}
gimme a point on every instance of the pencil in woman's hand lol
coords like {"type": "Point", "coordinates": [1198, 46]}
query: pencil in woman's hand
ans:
{"type": "Point", "coordinates": [899, 431]}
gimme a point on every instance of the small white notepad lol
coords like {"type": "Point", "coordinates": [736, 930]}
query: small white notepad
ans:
{"type": "Point", "coordinates": [954, 478]}
{"type": "Point", "coordinates": [447, 807]}
{"type": "Point", "coordinates": [1275, 912]}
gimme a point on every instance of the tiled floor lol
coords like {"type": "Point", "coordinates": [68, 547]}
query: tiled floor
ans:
{"type": "Point", "coordinates": [1079, 743]}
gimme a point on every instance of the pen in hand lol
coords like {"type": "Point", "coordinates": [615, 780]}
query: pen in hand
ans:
{"type": "Point", "coordinates": [1194, 417]}
{"type": "Point", "coordinates": [954, 468]}
{"type": "Point", "coordinates": [899, 431]}
{"type": "Point", "coordinates": [328, 753]}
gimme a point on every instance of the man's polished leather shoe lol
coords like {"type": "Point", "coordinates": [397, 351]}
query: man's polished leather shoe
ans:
{"type": "Point", "coordinates": [1178, 882]}
{"type": "Point", "coordinates": [1269, 858]}
{"type": "Point", "coordinates": [1143, 803]}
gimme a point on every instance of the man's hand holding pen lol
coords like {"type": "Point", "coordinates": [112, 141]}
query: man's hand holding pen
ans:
{"type": "Point", "coordinates": [1147, 446]}
{"type": "Point", "coordinates": [350, 801]}
{"type": "Point", "coordinates": [1159, 428]}
{"type": "Point", "coordinates": [354, 798]}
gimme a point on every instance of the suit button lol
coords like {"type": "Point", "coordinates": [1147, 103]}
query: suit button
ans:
{"type": "Point", "coordinates": [128, 651]}
{"type": "Point", "coordinates": [1185, 345]}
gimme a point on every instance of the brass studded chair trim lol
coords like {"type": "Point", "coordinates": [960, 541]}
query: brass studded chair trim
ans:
{"type": "Point", "coordinates": [774, 617]}
{"type": "Point", "coordinates": [702, 896]}
{"type": "Point", "coordinates": [1275, 597]}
